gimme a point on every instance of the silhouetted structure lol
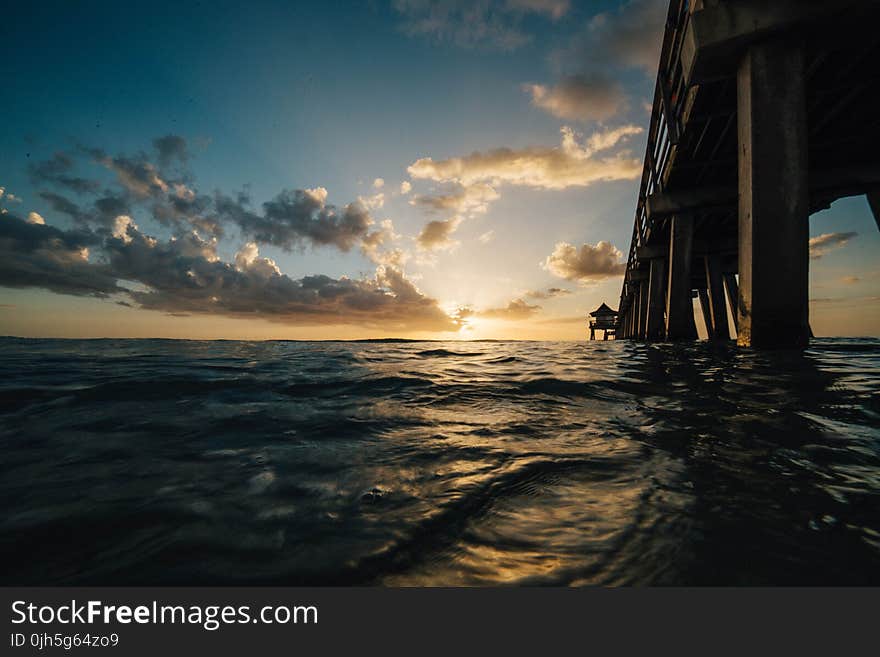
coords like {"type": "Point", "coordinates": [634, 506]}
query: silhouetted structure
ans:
{"type": "Point", "coordinates": [764, 112]}
{"type": "Point", "coordinates": [605, 321]}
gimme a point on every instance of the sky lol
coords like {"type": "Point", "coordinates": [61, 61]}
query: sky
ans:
{"type": "Point", "coordinates": [277, 170]}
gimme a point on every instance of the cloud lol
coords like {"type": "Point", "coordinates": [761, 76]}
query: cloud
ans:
{"type": "Point", "coordinates": [461, 202]}
{"type": "Point", "coordinates": [555, 9]}
{"type": "Point", "coordinates": [295, 218]}
{"type": "Point", "coordinates": [486, 237]}
{"type": "Point", "coordinates": [378, 183]}
{"type": "Point", "coordinates": [629, 37]}
{"type": "Point", "coordinates": [170, 148]}
{"type": "Point", "coordinates": [374, 241]}
{"type": "Point", "coordinates": [37, 255]}
{"type": "Point", "coordinates": [822, 244]}
{"type": "Point", "coordinates": [549, 293]}
{"type": "Point", "coordinates": [587, 263]}
{"type": "Point", "coordinates": [58, 171]}
{"type": "Point", "coordinates": [592, 97]}
{"type": "Point", "coordinates": [436, 235]}
{"type": "Point", "coordinates": [101, 213]}
{"type": "Point", "coordinates": [516, 310]}
{"type": "Point", "coordinates": [374, 202]}
{"type": "Point", "coordinates": [850, 280]}
{"type": "Point", "coordinates": [185, 275]}
{"type": "Point", "coordinates": [137, 175]}
{"type": "Point", "coordinates": [487, 24]}
{"type": "Point", "coordinates": [106, 254]}
{"type": "Point", "coordinates": [570, 164]}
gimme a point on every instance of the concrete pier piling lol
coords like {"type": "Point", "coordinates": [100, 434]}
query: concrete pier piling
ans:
{"type": "Point", "coordinates": [763, 113]}
{"type": "Point", "coordinates": [679, 306]}
{"type": "Point", "coordinates": [774, 201]}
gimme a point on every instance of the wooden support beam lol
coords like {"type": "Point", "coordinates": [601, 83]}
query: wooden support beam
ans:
{"type": "Point", "coordinates": [773, 197]}
{"type": "Point", "coordinates": [663, 204]}
{"type": "Point", "coordinates": [732, 297]}
{"type": "Point", "coordinates": [826, 186]}
{"type": "Point", "coordinates": [707, 312]}
{"type": "Point", "coordinates": [643, 309]}
{"type": "Point", "coordinates": [718, 329]}
{"type": "Point", "coordinates": [874, 202]}
{"type": "Point", "coordinates": [634, 313]}
{"type": "Point", "coordinates": [656, 322]}
{"type": "Point", "coordinates": [717, 36]}
{"type": "Point", "coordinates": [679, 307]}
{"type": "Point", "coordinates": [644, 253]}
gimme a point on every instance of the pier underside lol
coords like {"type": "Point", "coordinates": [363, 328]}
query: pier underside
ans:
{"type": "Point", "coordinates": [762, 115]}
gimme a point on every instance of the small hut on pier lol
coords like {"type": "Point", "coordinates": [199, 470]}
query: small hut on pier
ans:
{"type": "Point", "coordinates": [604, 319]}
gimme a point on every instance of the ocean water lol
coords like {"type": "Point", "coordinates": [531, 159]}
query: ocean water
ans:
{"type": "Point", "coordinates": [431, 463]}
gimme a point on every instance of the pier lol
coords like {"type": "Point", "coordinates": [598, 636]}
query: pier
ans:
{"type": "Point", "coordinates": [763, 113]}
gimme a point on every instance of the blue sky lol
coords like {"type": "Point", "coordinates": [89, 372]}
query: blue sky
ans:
{"type": "Point", "coordinates": [273, 96]}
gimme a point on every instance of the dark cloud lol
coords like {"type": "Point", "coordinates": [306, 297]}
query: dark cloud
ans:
{"type": "Point", "coordinates": [107, 254]}
{"type": "Point", "coordinates": [36, 255]}
{"type": "Point", "coordinates": [58, 171]}
{"type": "Point", "coordinates": [64, 205]}
{"type": "Point", "coordinates": [591, 97]}
{"type": "Point", "coordinates": [137, 175]}
{"type": "Point", "coordinates": [629, 37]}
{"type": "Point", "coordinates": [101, 213]}
{"type": "Point", "coordinates": [170, 148]}
{"type": "Point", "coordinates": [292, 219]}
{"type": "Point", "coordinates": [595, 58]}
{"type": "Point", "coordinates": [184, 275]}
{"type": "Point", "coordinates": [297, 218]}
{"type": "Point", "coordinates": [184, 209]}
{"type": "Point", "coordinates": [436, 235]}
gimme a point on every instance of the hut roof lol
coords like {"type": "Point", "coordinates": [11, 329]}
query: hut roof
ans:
{"type": "Point", "coordinates": [603, 310]}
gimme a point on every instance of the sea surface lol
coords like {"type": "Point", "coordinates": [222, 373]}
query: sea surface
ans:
{"type": "Point", "coordinates": [438, 463]}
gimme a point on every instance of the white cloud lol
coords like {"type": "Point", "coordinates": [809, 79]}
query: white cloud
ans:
{"type": "Point", "coordinates": [35, 218]}
{"type": "Point", "coordinates": [822, 244]}
{"type": "Point", "coordinates": [318, 194]}
{"type": "Point", "coordinates": [373, 202]}
{"type": "Point", "coordinates": [570, 164]}
{"type": "Point", "coordinates": [248, 260]}
{"type": "Point", "coordinates": [378, 183]}
{"type": "Point", "coordinates": [120, 228]}
{"type": "Point", "coordinates": [405, 187]}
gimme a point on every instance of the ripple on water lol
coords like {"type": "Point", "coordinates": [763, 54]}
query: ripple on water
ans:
{"type": "Point", "coordinates": [161, 461]}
